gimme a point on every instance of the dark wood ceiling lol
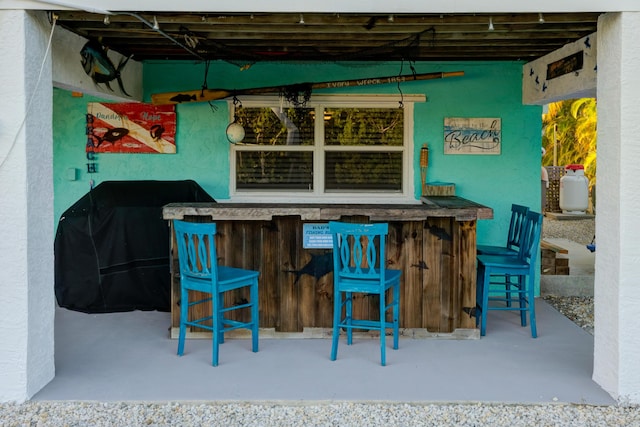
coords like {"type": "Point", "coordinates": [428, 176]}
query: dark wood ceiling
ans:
{"type": "Point", "coordinates": [249, 38]}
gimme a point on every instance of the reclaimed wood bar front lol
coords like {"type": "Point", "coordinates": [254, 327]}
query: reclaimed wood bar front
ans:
{"type": "Point", "coordinates": [433, 243]}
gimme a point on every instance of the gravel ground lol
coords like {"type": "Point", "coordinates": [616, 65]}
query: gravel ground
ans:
{"type": "Point", "coordinates": [313, 414]}
{"type": "Point", "coordinates": [578, 309]}
{"type": "Point", "coordinates": [227, 414]}
{"type": "Point", "coordinates": [578, 230]}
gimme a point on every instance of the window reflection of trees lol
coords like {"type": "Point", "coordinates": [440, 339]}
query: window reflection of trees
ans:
{"type": "Point", "coordinates": [354, 169]}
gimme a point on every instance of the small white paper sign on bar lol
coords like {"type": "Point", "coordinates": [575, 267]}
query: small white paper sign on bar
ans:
{"type": "Point", "coordinates": [316, 236]}
{"type": "Point", "coordinates": [465, 135]}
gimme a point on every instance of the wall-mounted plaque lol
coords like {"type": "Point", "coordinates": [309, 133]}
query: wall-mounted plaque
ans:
{"type": "Point", "coordinates": [463, 135]}
{"type": "Point", "coordinates": [316, 236]}
{"type": "Point", "coordinates": [566, 65]}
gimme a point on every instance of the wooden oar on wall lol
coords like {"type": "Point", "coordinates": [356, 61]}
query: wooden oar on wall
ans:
{"type": "Point", "coordinates": [203, 95]}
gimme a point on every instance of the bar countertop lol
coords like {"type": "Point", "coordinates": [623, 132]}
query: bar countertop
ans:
{"type": "Point", "coordinates": [433, 206]}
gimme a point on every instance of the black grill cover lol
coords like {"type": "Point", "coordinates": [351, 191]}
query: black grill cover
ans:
{"type": "Point", "coordinates": [112, 246]}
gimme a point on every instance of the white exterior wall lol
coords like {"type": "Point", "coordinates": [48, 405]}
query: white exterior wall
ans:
{"type": "Point", "coordinates": [26, 208]}
{"type": "Point", "coordinates": [617, 273]}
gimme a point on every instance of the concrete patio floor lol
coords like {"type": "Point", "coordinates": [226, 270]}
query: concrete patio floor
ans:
{"type": "Point", "coordinates": [129, 357]}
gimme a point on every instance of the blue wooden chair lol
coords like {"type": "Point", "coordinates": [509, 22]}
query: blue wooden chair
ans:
{"type": "Point", "coordinates": [520, 267]}
{"type": "Point", "coordinates": [514, 235]}
{"type": "Point", "coordinates": [518, 213]}
{"type": "Point", "coordinates": [359, 267]}
{"type": "Point", "coordinates": [199, 271]}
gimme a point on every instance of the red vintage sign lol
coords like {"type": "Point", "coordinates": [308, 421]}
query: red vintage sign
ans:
{"type": "Point", "coordinates": [131, 128]}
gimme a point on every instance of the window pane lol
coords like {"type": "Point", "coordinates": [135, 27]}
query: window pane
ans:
{"type": "Point", "coordinates": [272, 126]}
{"type": "Point", "coordinates": [363, 171]}
{"type": "Point", "coordinates": [284, 170]}
{"type": "Point", "coordinates": [364, 126]}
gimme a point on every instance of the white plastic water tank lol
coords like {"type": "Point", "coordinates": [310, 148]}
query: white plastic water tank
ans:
{"type": "Point", "coordinates": [574, 190]}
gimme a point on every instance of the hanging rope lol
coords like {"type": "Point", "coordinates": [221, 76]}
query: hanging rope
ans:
{"type": "Point", "coordinates": [205, 86]}
{"type": "Point", "coordinates": [413, 72]}
{"type": "Point", "coordinates": [206, 74]}
{"type": "Point", "coordinates": [401, 102]}
{"type": "Point", "coordinates": [236, 105]}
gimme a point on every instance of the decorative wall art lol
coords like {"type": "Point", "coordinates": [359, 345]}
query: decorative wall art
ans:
{"type": "Point", "coordinates": [131, 128]}
{"type": "Point", "coordinates": [464, 135]}
{"type": "Point", "coordinates": [99, 67]}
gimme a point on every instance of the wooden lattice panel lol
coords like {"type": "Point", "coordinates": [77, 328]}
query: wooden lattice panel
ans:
{"type": "Point", "coordinates": [553, 192]}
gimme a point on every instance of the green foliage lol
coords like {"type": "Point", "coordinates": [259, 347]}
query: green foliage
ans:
{"type": "Point", "coordinates": [572, 124]}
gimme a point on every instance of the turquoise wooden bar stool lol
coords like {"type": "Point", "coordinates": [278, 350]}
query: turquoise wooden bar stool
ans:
{"type": "Point", "coordinates": [199, 271]}
{"type": "Point", "coordinates": [514, 236]}
{"type": "Point", "coordinates": [359, 267]}
{"type": "Point", "coordinates": [520, 267]}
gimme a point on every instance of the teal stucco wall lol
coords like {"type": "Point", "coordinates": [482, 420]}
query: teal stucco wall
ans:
{"type": "Point", "coordinates": [487, 89]}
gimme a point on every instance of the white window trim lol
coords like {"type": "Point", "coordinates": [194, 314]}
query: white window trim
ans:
{"type": "Point", "coordinates": [318, 195]}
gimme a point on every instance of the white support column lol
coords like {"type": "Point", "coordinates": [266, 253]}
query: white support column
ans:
{"type": "Point", "coordinates": [617, 276]}
{"type": "Point", "coordinates": [26, 207]}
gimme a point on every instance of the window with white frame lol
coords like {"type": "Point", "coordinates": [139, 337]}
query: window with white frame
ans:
{"type": "Point", "coordinates": [330, 147]}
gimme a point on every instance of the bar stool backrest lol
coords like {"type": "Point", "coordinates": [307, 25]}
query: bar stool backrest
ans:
{"type": "Point", "coordinates": [196, 249]}
{"type": "Point", "coordinates": [530, 243]}
{"type": "Point", "coordinates": [514, 236]}
{"type": "Point", "coordinates": [361, 249]}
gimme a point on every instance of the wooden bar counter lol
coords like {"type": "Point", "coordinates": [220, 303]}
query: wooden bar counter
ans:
{"type": "Point", "coordinates": [433, 243]}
